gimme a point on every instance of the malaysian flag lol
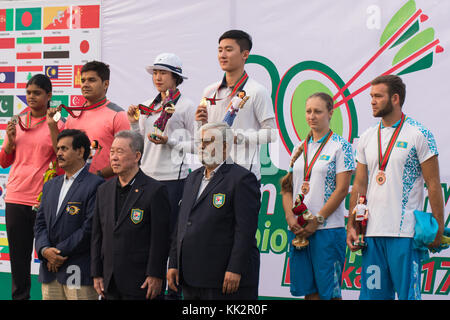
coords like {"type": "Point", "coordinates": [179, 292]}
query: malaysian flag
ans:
{"type": "Point", "coordinates": [61, 76]}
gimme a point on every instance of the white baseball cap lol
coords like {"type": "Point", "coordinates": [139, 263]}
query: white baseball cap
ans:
{"type": "Point", "coordinates": [169, 62]}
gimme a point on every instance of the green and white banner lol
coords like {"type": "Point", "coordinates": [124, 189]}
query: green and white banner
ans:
{"type": "Point", "coordinates": [299, 47]}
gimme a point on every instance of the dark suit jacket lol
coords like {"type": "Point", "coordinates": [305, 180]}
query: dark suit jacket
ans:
{"type": "Point", "coordinates": [216, 233]}
{"type": "Point", "coordinates": [137, 245]}
{"type": "Point", "coordinates": [70, 230]}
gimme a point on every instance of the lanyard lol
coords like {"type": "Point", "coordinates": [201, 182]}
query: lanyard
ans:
{"type": "Point", "coordinates": [96, 105]}
{"type": "Point", "coordinates": [308, 167]}
{"type": "Point", "coordinates": [28, 126]}
{"type": "Point", "coordinates": [383, 159]}
{"type": "Point", "coordinates": [238, 86]}
{"type": "Point", "coordinates": [147, 110]}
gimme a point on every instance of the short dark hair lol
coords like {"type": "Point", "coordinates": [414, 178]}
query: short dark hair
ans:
{"type": "Point", "coordinates": [43, 82]}
{"type": "Point", "coordinates": [101, 68]}
{"type": "Point", "coordinates": [395, 85]}
{"type": "Point", "coordinates": [178, 79]}
{"type": "Point", "coordinates": [79, 139]}
{"type": "Point", "coordinates": [243, 39]}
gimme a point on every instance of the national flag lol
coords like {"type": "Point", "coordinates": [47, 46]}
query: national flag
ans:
{"type": "Point", "coordinates": [6, 106]}
{"type": "Point", "coordinates": [85, 17]}
{"type": "Point", "coordinates": [28, 40]}
{"type": "Point", "coordinates": [77, 100]}
{"type": "Point", "coordinates": [7, 43]}
{"type": "Point", "coordinates": [56, 39]}
{"type": "Point", "coordinates": [20, 104]}
{"type": "Point", "coordinates": [6, 19]}
{"type": "Point", "coordinates": [77, 76]}
{"type": "Point", "coordinates": [58, 100]}
{"type": "Point", "coordinates": [28, 47]}
{"type": "Point", "coordinates": [61, 76]}
{"type": "Point", "coordinates": [56, 54]}
{"type": "Point", "coordinates": [28, 19]}
{"type": "Point", "coordinates": [7, 77]}
{"type": "Point", "coordinates": [56, 18]}
{"type": "Point", "coordinates": [24, 73]}
{"type": "Point", "coordinates": [84, 46]}
{"type": "Point", "coordinates": [28, 55]}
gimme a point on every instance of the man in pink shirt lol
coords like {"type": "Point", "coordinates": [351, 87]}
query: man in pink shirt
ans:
{"type": "Point", "coordinates": [100, 118]}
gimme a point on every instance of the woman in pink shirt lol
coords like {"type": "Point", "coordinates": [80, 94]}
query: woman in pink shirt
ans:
{"type": "Point", "coordinates": [28, 150]}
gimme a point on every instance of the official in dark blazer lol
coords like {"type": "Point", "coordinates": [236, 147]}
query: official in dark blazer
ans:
{"type": "Point", "coordinates": [214, 254]}
{"type": "Point", "coordinates": [130, 236]}
{"type": "Point", "coordinates": [64, 221]}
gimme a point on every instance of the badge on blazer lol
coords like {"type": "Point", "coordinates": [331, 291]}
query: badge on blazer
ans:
{"type": "Point", "coordinates": [72, 209]}
{"type": "Point", "coordinates": [136, 215]}
{"type": "Point", "coordinates": [218, 200]}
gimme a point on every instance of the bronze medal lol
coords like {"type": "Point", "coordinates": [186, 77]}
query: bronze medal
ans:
{"type": "Point", "coordinates": [381, 177]}
{"type": "Point", "coordinates": [15, 119]}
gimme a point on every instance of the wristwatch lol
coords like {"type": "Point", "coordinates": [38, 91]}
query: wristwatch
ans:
{"type": "Point", "coordinates": [320, 219]}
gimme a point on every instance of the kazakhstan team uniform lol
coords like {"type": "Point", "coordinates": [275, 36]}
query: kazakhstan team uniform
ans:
{"type": "Point", "coordinates": [390, 264]}
{"type": "Point", "coordinates": [318, 267]}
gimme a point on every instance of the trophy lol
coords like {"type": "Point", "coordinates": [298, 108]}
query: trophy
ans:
{"type": "Point", "coordinates": [168, 105]}
{"type": "Point", "coordinates": [361, 216]}
{"type": "Point", "coordinates": [235, 104]}
{"type": "Point", "coordinates": [49, 174]}
{"type": "Point", "coordinates": [303, 215]}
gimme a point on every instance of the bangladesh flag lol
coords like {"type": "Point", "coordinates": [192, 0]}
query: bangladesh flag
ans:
{"type": "Point", "coordinates": [6, 19]}
{"type": "Point", "coordinates": [28, 19]}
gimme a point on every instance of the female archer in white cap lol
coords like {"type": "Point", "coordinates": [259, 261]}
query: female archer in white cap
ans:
{"type": "Point", "coordinates": [167, 122]}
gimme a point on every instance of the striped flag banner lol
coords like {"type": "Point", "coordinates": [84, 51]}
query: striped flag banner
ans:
{"type": "Point", "coordinates": [28, 40]}
{"type": "Point", "coordinates": [28, 55]}
{"type": "Point", "coordinates": [7, 43]}
{"type": "Point", "coordinates": [7, 76]}
{"type": "Point", "coordinates": [56, 39]}
{"type": "Point", "coordinates": [61, 76]}
{"type": "Point", "coordinates": [24, 73]}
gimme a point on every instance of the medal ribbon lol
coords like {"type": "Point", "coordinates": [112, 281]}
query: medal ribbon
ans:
{"type": "Point", "coordinates": [308, 167]}
{"type": "Point", "coordinates": [84, 108]}
{"type": "Point", "coordinates": [147, 110]}
{"type": "Point", "coordinates": [383, 159]}
{"type": "Point", "coordinates": [238, 86]}
{"type": "Point", "coordinates": [28, 125]}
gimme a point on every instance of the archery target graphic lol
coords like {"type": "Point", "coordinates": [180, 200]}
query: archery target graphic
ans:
{"type": "Point", "coordinates": [297, 84]}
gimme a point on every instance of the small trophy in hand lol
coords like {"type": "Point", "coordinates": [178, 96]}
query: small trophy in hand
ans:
{"type": "Point", "coordinates": [303, 216]}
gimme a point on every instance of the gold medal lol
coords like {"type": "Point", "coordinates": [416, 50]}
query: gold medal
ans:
{"type": "Point", "coordinates": [204, 102]}
{"type": "Point", "coordinates": [381, 177]}
{"type": "Point", "coordinates": [137, 114]}
{"type": "Point", "coordinates": [305, 188]}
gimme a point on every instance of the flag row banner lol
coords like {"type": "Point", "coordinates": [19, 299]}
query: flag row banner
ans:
{"type": "Point", "coordinates": [55, 38]}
